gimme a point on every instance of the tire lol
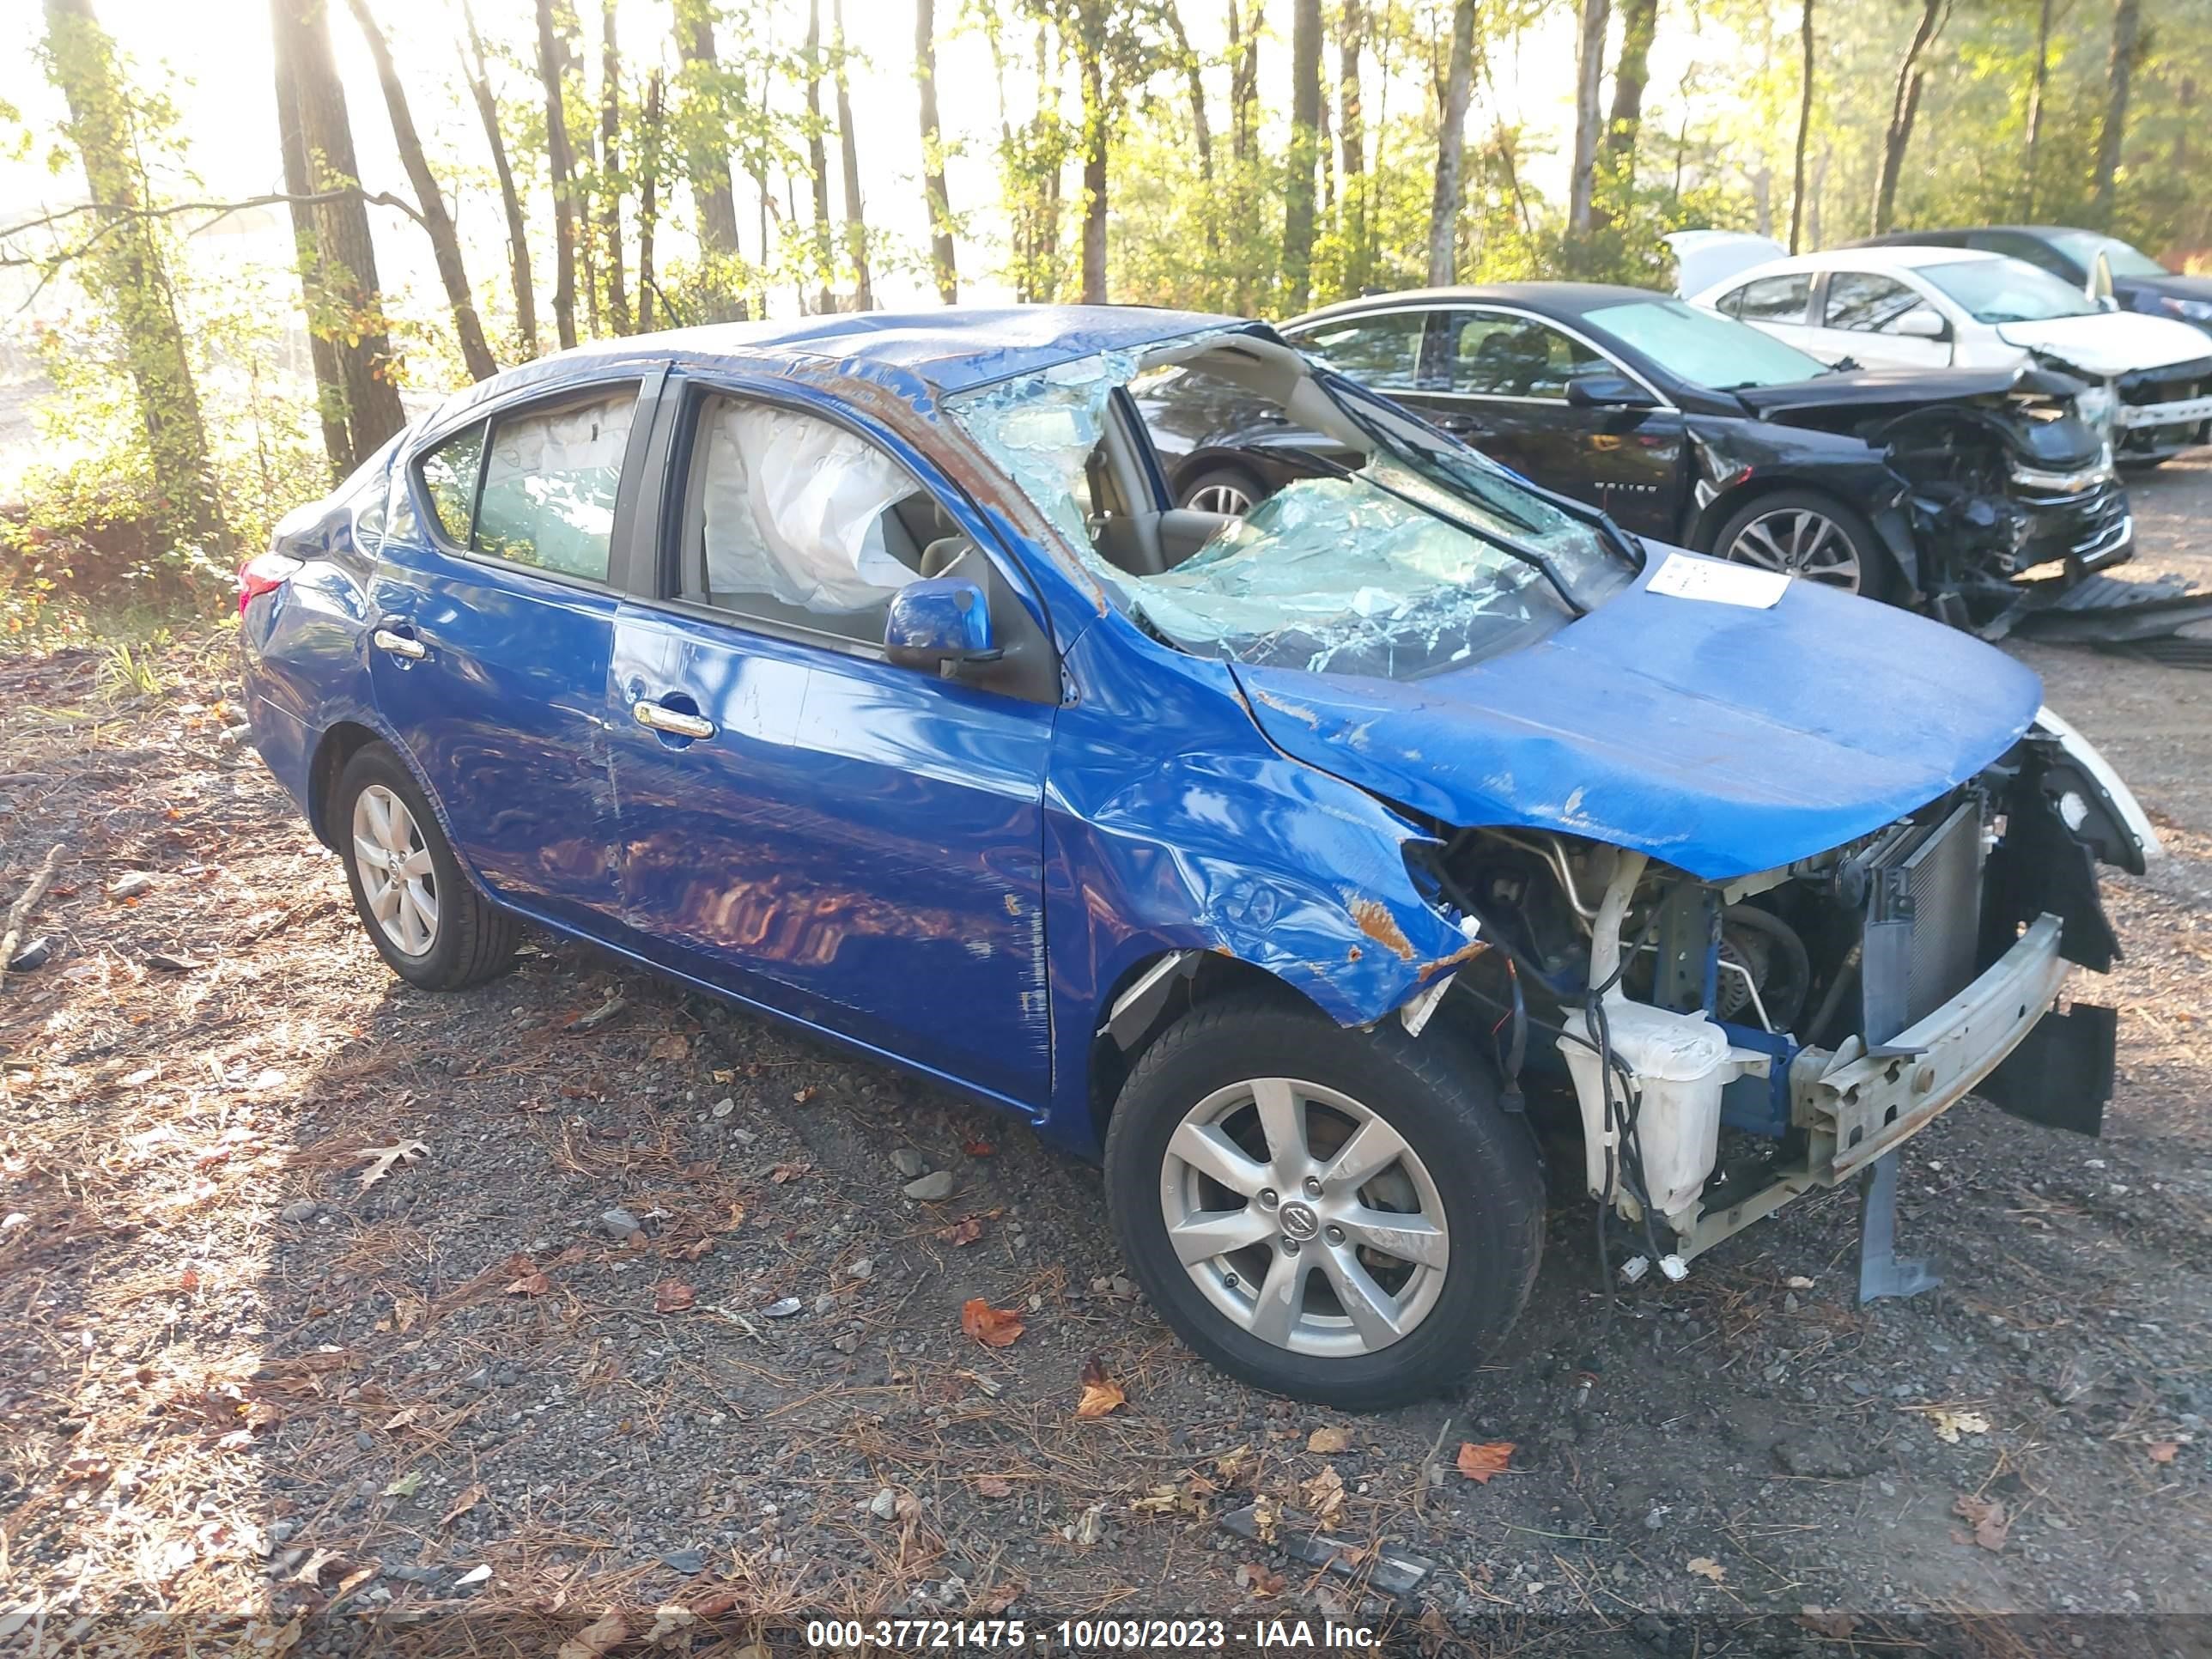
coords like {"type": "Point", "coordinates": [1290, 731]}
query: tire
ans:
{"type": "Point", "coordinates": [464, 939]}
{"type": "Point", "coordinates": [1779, 513]}
{"type": "Point", "coordinates": [1223, 484]}
{"type": "Point", "coordinates": [1473, 1178]}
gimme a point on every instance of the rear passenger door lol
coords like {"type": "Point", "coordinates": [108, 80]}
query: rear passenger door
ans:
{"type": "Point", "coordinates": [853, 844]}
{"type": "Point", "coordinates": [492, 619]}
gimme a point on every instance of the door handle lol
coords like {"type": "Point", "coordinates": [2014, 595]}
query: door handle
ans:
{"type": "Point", "coordinates": [399, 645]}
{"type": "Point", "coordinates": [674, 721]}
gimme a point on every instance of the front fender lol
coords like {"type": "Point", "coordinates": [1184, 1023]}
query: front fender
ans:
{"type": "Point", "coordinates": [1172, 823]}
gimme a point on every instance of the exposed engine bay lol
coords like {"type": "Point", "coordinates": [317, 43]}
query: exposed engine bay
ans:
{"type": "Point", "coordinates": [1724, 1046]}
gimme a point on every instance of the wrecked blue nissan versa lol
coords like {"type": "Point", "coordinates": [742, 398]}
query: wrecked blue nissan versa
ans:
{"type": "Point", "coordinates": [1316, 868]}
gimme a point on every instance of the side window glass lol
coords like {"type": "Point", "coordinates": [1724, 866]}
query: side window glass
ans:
{"type": "Point", "coordinates": [550, 482]}
{"type": "Point", "coordinates": [1871, 304]}
{"type": "Point", "coordinates": [1516, 357]}
{"type": "Point", "coordinates": [1382, 352]}
{"type": "Point", "coordinates": [799, 522]}
{"type": "Point", "coordinates": [1774, 299]}
{"type": "Point", "coordinates": [449, 479]}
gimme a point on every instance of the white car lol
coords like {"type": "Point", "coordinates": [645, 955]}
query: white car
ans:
{"type": "Point", "coordinates": [2149, 378]}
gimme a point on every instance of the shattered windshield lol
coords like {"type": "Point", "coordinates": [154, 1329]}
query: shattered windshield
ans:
{"type": "Point", "coordinates": [1396, 553]}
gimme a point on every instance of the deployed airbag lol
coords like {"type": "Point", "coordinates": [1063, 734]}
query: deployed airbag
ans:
{"type": "Point", "coordinates": [794, 509]}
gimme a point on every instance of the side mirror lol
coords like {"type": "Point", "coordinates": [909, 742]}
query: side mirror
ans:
{"type": "Point", "coordinates": [1608, 391]}
{"type": "Point", "coordinates": [938, 623]}
{"type": "Point", "coordinates": [1922, 323]}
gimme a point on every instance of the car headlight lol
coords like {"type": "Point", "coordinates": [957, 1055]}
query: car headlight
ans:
{"type": "Point", "coordinates": [2192, 311]}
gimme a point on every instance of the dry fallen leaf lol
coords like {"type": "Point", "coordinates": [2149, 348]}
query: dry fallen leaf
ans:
{"type": "Point", "coordinates": [994, 1327]}
{"type": "Point", "coordinates": [525, 1277]}
{"type": "Point", "coordinates": [674, 1046]}
{"type": "Point", "coordinates": [1329, 1440]}
{"type": "Point", "coordinates": [1101, 1393]}
{"type": "Point", "coordinates": [1705, 1567]}
{"type": "Point", "coordinates": [673, 1296]}
{"type": "Point", "coordinates": [1989, 1520]}
{"type": "Point", "coordinates": [962, 1232]}
{"type": "Point", "coordinates": [470, 1497]}
{"type": "Point", "coordinates": [1324, 1495]}
{"type": "Point", "coordinates": [1478, 1462]}
{"type": "Point", "coordinates": [783, 1173]}
{"type": "Point", "coordinates": [977, 1146]}
{"type": "Point", "coordinates": [596, 1639]}
{"type": "Point", "coordinates": [382, 1159]}
{"type": "Point", "coordinates": [1256, 1577]}
{"type": "Point", "coordinates": [2162, 1451]}
{"type": "Point", "coordinates": [995, 1485]}
{"type": "Point", "coordinates": [1949, 1425]}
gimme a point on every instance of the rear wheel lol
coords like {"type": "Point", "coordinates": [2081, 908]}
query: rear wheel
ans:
{"type": "Point", "coordinates": [1803, 533]}
{"type": "Point", "coordinates": [418, 907]}
{"type": "Point", "coordinates": [1345, 1217]}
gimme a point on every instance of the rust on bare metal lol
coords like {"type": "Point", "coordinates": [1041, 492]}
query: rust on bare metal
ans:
{"type": "Point", "coordinates": [1466, 953]}
{"type": "Point", "coordinates": [1376, 921]}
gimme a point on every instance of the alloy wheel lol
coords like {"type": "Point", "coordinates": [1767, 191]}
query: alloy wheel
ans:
{"type": "Point", "coordinates": [397, 877]}
{"type": "Point", "coordinates": [1220, 497]}
{"type": "Point", "coordinates": [1797, 541]}
{"type": "Point", "coordinates": [1305, 1218]}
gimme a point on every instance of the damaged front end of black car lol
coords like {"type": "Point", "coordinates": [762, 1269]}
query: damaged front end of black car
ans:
{"type": "Point", "coordinates": [1991, 478]}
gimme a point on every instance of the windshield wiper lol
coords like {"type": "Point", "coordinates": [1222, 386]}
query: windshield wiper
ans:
{"type": "Point", "coordinates": [1508, 545]}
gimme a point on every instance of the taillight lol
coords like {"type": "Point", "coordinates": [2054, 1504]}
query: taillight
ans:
{"type": "Point", "coordinates": [265, 573]}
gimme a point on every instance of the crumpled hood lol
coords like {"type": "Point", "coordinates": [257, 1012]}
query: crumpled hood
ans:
{"type": "Point", "coordinates": [1720, 738]}
{"type": "Point", "coordinates": [1876, 388]}
{"type": "Point", "coordinates": [2109, 342]}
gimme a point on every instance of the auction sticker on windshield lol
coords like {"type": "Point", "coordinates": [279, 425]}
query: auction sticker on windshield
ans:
{"type": "Point", "coordinates": [1686, 576]}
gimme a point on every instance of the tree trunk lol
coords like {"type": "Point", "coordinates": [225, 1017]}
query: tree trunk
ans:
{"type": "Point", "coordinates": [1243, 81]}
{"type": "Point", "coordinates": [338, 256]}
{"type": "Point", "coordinates": [706, 162]}
{"type": "Point", "coordinates": [1904, 108]}
{"type": "Point", "coordinates": [518, 235]}
{"type": "Point", "coordinates": [130, 271]}
{"type": "Point", "coordinates": [1451, 147]}
{"type": "Point", "coordinates": [299, 183]}
{"type": "Point", "coordinates": [557, 154]}
{"type": "Point", "coordinates": [1804, 132]}
{"type": "Point", "coordinates": [1097, 129]}
{"type": "Point", "coordinates": [1590, 80]}
{"type": "Point", "coordinates": [942, 261]}
{"type": "Point", "coordinates": [648, 198]}
{"type": "Point", "coordinates": [1631, 73]}
{"type": "Point", "coordinates": [848, 153]}
{"type": "Point", "coordinates": [445, 246]}
{"type": "Point", "coordinates": [2119, 75]}
{"type": "Point", "coordinates": [1352, 142]}
{"type": "Point", "coordinates": [610, 167]}
{"type": "Point", "coordinates": [2038, 79]}
{"type": "Point", "coordinates": [817, 160]}
{"type": "Point", "coordinates": [1306, 151]}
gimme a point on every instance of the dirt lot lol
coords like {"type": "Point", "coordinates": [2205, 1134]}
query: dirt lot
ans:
{"type": "Point", "coordinates": [642, 1320]}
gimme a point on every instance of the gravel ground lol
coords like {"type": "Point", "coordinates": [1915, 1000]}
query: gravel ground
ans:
{"type": "Point", "coordinates": [334, 1314]}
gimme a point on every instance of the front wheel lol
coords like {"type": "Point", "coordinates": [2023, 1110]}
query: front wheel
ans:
{"type": "Point", "coordinates": [1803, 533]}
{"type": "Point", "coordinates": [1348, 1218]}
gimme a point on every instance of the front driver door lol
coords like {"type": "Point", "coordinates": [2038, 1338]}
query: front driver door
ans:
{"type": "Point", "coordinates": [1508, 374]}
{"type": "Point", "coordinates": [853, 844]}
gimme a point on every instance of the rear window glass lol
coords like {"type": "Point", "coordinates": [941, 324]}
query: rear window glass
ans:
{"type": "Point", "coordinates": [449, 477]}
{"type": "Point", "coordinates": [550, 482]}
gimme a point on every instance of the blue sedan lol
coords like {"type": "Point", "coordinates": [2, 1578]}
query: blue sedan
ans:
{"type": "Point", "coordinates": [1302, 866]}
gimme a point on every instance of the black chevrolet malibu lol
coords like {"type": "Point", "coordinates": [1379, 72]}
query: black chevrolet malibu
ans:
{"type": "Point", "coordinates": [1930, 488]}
